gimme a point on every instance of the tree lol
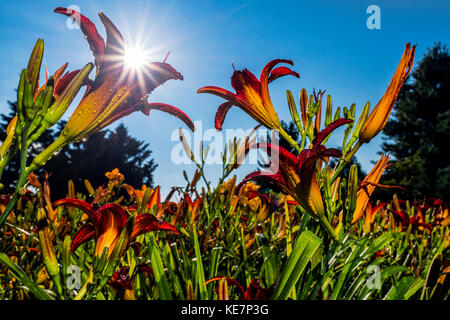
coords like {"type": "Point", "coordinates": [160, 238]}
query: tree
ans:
{"type": "Point", "coordinates": [418, 133]}
{"type": "Point", "coordinates": [89, 159]}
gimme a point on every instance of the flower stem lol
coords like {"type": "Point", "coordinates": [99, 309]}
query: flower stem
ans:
{"type": "Point", "coordinates": [289, 139]}
{"type": "Point", "coordinates": [345, 160]}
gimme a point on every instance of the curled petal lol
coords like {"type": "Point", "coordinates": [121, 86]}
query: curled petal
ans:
{"type": "Point", "coordinates": [157, 73]}
{"type": "Point", "coordinates": [108, 222]}
{"type": "Point", "coordinates": [223, 93]}
{"type": "Point", "coordinates": [110, 213]}
{"type": "Point", "coordinates": [280, 72]}
{"type": "Point", "coordinates": [96, 42]}
{"type": "Point", "coordinates": [64, 82]}
{"type": "Point", "coordinates": [265, 73]}
{"type": "Point", "coordinates": [256, 194]}
{"type": "Point", "coordinates": [332, 152]}
{"type": "Point", "coordinates": [170, 110]}
{"type": "Point", "coordinates": [271, 178]}
{"type": "Point", "coordinates": [229, 281]}
{"type": "Point", "coordinates": [325, 132]}
{"type": "Point", "coordinates": [285, 156]}
{"type": "Point", "coordinates": [147, 222]}
{"type": "Point", "coordinates": [221, 113]}
{"type": "Point", "coordinates": [86, 233]}
{"type": "Point", "coordinates": [80, 204]}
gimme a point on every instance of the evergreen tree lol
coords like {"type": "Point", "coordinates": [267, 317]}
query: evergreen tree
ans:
{"type": "Point", "coordinates": [418, 133]}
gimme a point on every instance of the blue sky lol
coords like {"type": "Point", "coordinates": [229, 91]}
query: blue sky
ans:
{"type": "Point", "coordinates": [328, 41]}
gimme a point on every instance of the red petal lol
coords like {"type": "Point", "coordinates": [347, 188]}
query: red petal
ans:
{"type": "Point", "coordinates": [285, 156]}
{"type": "Point", "coordinates": [242, 79]}
{"type": "Point", "coordinates": [170, 110]}
{"type": "Point", "coordinates": [80, 204]}
{"type": "Point", "coordinates": [115, 46]}
{"type": "Point", "coordinates": [147, 222]}
{"type": "Point", "coordinates": [264, 78]}
{"type": "Point", "coordinates": [103, 216]}
{"type": "Point", "coordinates": [229, 281]}
{"type": "Point", "coordinates": [325, 132]}
{"type": "Point", "coordinates": [221, 113]}
{"type": "Point", "coordinates": [86, 233]}
{"type": "Point", "coordinates": [64, 81]}
{"type": "Point", "coordinates": [223, 93]}
{"type": "Point", "coordinates": [156, 74]}
{"type": "Point", "coordinates": [280, 72]}
{"type": "Point", "coordinates": [96, 42]}
{"type": "Point", "coordinates": [262, 196]}
{"type": "Point", "coordinates": [271, 178]}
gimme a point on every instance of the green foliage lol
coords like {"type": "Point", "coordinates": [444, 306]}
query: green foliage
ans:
{"type": "Point", "coordinates": [88, 159]}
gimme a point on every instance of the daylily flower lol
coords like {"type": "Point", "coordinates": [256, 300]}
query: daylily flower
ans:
{"type": "Point", "coordinates": [115, 92]}
{"type": "Point", "coordinates": [380, 115]}
{"type": "Point", "coordinates": [252, 95]}
{"type": "Point", "coordinates": [106, 223]}
{"type": "Point", "coordinates": [254, 290]}
{"type": "Point", "coordinates": [367, 186]}
{"type": "Point", "coordinates": [297, 175]}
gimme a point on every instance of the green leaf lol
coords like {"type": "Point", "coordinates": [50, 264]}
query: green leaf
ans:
{"type": "Point", "coordinates": [158, 269]}
{"type": "Point", "coordinates": [306, 247]}
{"type": "Point", "coordinates": [405, 288]}
{"type": "Point", "coordinates": [22, 276]}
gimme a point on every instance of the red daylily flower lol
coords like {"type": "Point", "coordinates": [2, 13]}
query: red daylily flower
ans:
{"type": "Point", "coordinates": [115, 92]}
{"type": "Point", "coordinates": [297, 175]}
{"type": "Point", "coordinates": [106, 223]}
{"type": "Point", "coordinates": [252, 95]}
{"type": "Point", "coordinates": [254, 290]}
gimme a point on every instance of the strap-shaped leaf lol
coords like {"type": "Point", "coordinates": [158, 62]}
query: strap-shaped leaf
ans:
{"type": "Point", "coordinates": [307, 246]}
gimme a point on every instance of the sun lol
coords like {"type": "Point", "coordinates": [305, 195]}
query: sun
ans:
{"type": "Point", "coordinates": [134, 58]}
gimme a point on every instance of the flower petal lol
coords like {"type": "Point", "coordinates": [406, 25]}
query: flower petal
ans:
{"type": "Point", "coordinates": [221, 113]}
{"type": "Point", "coordinates": [170, 110]}
{"type": "Point", "coordinates": [325, 132]}
{"type": "Point", "coordinates": [225, 94]}
{"type": "Point", "coordinates": [86, 233]}
{"type": "Point", "coordinates": [155, 74]}
{"type": "Point", "coordinates": [264, 78]}
{"type": "Point", "coordinates": [115, 45]}
{"type": "Point", "coordinates": [64, 82]}
{"type": "Point", "coordinates": [229, 281]}
{"type": "Point", "coordinates": [285, 156]}
{"type": "Point", "coordinates": [271, 178]}
{"type": "Point", "coordinates": [280, 72]}
{"type": "Point", "coordinates": [108, 222]}
{"type": "Point", "coordinates": [96, 42]}
{"type": "Point", "coordinates": [77, 203]}
{"type": "Point", "coordinates": [147, 222]}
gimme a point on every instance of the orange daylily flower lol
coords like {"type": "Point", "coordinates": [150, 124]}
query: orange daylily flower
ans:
{"type": "Point", "coordinates": [116, 91]}
{"type": "Point", "coordinates": [252, 95]}
{"type": "Point", "coordinates": [380, 115]}
{"type": "Point", "coordinates": [297, 175]}
{"type": "Point", "coordinates": [367, 186]}
{"type": "Point", "coordinates": [106, 223]}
